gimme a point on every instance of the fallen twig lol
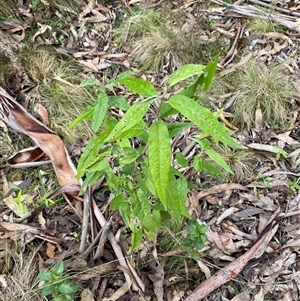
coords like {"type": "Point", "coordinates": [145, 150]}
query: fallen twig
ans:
{"type": "Point", "coordinates": [230, 55]}
{"type": "Point", "coordinates": [137, 284]}
{"type": "Point", "coordinates": [233, 269]}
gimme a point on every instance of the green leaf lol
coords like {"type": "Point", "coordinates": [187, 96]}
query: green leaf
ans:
{"type": "Point", "coordinates": [91, 178]}
{"type": "Point", "coordinates": [131, 155]}
{"type": "Point", "coordinates": [218, 159]}
{"type": "Point", "coordinates": [67, 287]}
{"type": "Point", "coordinates": [202, 228]}
{"type": "Point", "coordinates": [120, 102]}
{"type": "Point", "coordinates": [203, 118]}
{"type": "Point", "coordinates": [193, 227]}
{"type": "Point", "coordinates": [119, 201]}
{"type": "Point", "coordinates": [137, 130]}
{"type": "Point", "coordinates": [139, 86]}
{"type": "Point", "coordinates": [166, 110]}
{"type": "Point", "coordinates": [211, 70]}
{"type": "Point", "coordinates": [89, 155]}
{"type": "Point", "coordinates": [177, 128]}
{"type": "Point", "coordinates": [86, 114]}
{"type": "Point", "coordinates": [185, 72]}
{"type": "Point", "coordinates": [195, 255]}
{"type": "Point", "coordinates": [136, 238]}
{"type": "Point", "coordinates": [187, 244]}
{"type": "Point", "coordinates": [47, 289]}
{"type": "Point", "coordinates": [204, 143]}
{"type": "Point", "coordinates": [140, 203]}
{"type": "Point", "coordinates": [114, 182]}
{"type": "Point", "coordinates": [142, 209]}
{"type": "Point", "coordinates": [66, 298]}
{"type": "Point", "coordinates": [198, 245]}
{"type": "Point", "coordinates": [177, 195]}
{"type": "Point", "coordinates": [159, 156]}
{"type": "Point", "coordinates": [180, 158]}
{"type": "Point", "coordinates": [98, 166]}
{"type": "Point", "coordinates": [132, 117]}
{"type": "Point", "coordinates": [88, 82]}
{"type": "Point", "coordinates": [124, 74]}
{"type": "Point", "coordinates": [201, 165]}
{"type": "Point", "coordinates": [58, 268]}
{"type": "Point", "coordinates": [44, 275]}
{"type": "Point", "coordinates": [202, 238]}
{"type": "Point", "coordinates": [99, 111]}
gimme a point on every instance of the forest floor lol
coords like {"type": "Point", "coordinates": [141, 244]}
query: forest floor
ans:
{"type": "Point", "coordinates": [48, 49]}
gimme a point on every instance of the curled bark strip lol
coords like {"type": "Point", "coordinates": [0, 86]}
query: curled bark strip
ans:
{"type": "Point", "coordinates": [51, 144]}
{"type": "Point", "coordinates": [233, 269]}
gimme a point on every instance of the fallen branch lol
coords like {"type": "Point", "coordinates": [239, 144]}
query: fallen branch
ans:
{"type": "Point", "coordinates": [233, 269]}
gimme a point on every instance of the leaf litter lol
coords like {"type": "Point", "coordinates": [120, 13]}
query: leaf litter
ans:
{"type": "Point", "coordinates": [250, 243]}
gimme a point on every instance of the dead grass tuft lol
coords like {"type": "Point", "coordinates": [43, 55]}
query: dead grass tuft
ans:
{"type": "Point", "coordinates": [58, 90]}
{"type": "Point", "coordinates": [19, 273]}
{"type": "Point", "coordinates": [260, 26]}
{"type": "Point", "coordinates": [242, 162]}
{"type": "Point", "coordinates": [164, 45]}
{"type": "Point", "coordinates": [268, 89]}
{"type": "Point", "coordinates": [7, 9]}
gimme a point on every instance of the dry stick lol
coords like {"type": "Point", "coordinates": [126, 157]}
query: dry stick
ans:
{"type": "Point", "coordinates": [287, 11]}
{"type": "Point", "coordinates": [233, 269]}
{"type": "Point", "coordinates": [118, 251]}
{"type": "Point", "coordinates": [85, 220]}
{"type": "Point", "coordinates": [230, 55]}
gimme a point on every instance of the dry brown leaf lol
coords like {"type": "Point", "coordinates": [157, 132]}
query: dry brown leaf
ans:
{"type": "Point", "coordinates": [8, 200]}
{"type": "Point", "coordinates": [222, 242]}
{"type": "Point", "coordinates": [158, 280]}
{"type": "Point", "coordinates": [119, 293]}
{"type": "Point", "coordinates": [260, 295]}
{"type": "Point", "coordinates": [220, 188]}
{"type": "Point", "coordinates": [87, 9]}
{"type": "Point", "coordinates": [15, 229]}
{"type": "Point", "coordinates": [86, 295]}
{"type": "Point", "coordinates": [264, 147]}
{"type": "Point", "coordinates": [204, 268]}
{"type": "Point", "coordinates": [43, 28]}
{"type": "Point", "coordinates": [285, 138]}
{"type": "Point", "coordinates": [89, 64]}
{"type": "Point", "coordinates": [15, 29]}
{"type": "Point", "coordinates": [241, 297]}
{"type": "Point", "coordinates": [27, 158]}
{"type": "Point", "coordinates": [42, 113]}
{"type": "Point", "coordinates": [50, 250]}
{"type": "Point", "coordinates": [225, 214]}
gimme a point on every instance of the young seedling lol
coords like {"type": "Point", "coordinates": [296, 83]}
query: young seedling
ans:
{"type": "Point", "coordinates": [56, 284]}
{"type": "Point", "coordinates": [146, 186]}
{"type": "Point", "coordinates": [196, 239]}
